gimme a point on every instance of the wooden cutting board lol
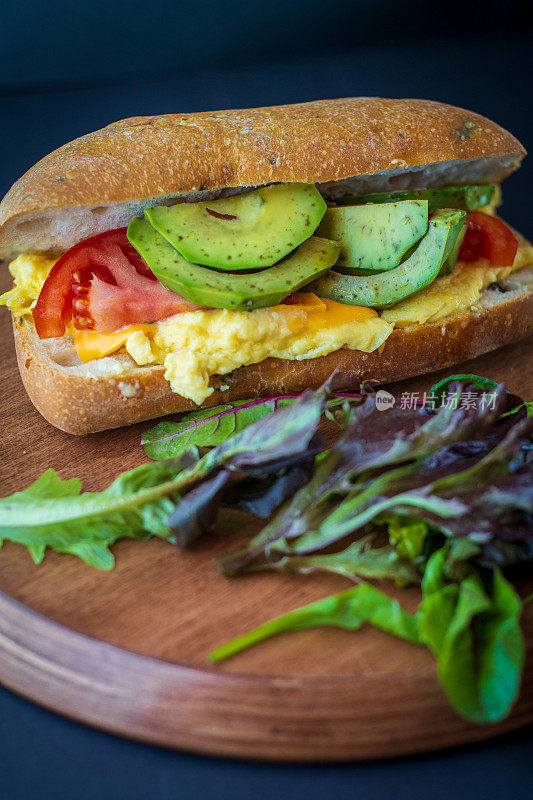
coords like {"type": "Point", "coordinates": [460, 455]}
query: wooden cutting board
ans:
{"type": "Point", "coordinates": [126, 651]}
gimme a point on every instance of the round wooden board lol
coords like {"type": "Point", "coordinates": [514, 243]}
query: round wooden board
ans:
{"type": "Point", "coordinates": [126, 650]}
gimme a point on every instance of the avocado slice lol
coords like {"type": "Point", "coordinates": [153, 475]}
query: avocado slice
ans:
{"type": "Point", "coordinates": [467, 198]}
{"type": "Point", "coordinates": [374, 237]}
{"type": "Point", "coordinates": [420, 269]}
{"type": "Point", "coordinates": [451, 258]}
{"type": "Point", "coordinates": [220, 290]}
{"type": "Point", "coordinates": [247, 231]}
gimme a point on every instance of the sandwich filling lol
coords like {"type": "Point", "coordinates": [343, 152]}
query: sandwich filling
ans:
{"type": "Point", "coordinates": [203, 288]}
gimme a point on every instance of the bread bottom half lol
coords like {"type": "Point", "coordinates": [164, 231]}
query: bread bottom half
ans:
{"type": "Point", "coordinates": [110, 392]}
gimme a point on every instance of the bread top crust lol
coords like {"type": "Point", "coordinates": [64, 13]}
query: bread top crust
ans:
{"type": "Point", "coordinates": [320, 141]}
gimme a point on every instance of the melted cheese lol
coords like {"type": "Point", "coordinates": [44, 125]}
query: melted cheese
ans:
{"type": "Point", "coordinates": [93, 344]}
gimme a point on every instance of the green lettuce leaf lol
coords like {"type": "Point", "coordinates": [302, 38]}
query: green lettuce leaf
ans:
{"type": "Point", "coordinates": [439, 391]}
{"type": "Point", "coordinates": [144, 501]}
{"type": "Point", "coordinates": [349, 610]}
{"type": "Point", "coordinates": [210, 427]}
{"type": "Point", "coordinates": [472, 629]}
{"type": "Point", "coordinates": [52, 512]}
{"type": "Point", "coordinates": [475, 635]}
{"type": "Point", "coordinates": [408, 535]}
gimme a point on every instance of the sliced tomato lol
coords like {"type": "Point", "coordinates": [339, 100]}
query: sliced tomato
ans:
{"type": "Point", "coordinates": [488, 237]}
{"type": "Point", "coordinates": [103, 284]}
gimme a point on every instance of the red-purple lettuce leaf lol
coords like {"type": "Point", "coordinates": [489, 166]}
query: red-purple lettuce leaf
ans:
{"type": "Point", "coordinates": [270, 458]}
{"type": "Point", "coordinates": [372, 442]}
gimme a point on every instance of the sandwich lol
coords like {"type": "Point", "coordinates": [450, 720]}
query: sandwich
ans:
{"type": "Point", "coordinates": [170, 262]}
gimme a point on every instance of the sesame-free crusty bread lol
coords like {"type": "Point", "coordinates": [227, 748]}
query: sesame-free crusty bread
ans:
{"type": "Point", "coordinates": [348, 146]}
{"type": "Point", "coordinates": [110, 392]}
{"type": "Point", "coordinates": [353, 145]}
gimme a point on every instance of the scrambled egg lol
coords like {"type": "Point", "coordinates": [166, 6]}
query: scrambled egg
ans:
{"type": "Point", "coordinates": [195, 345]}
{"type": "Point", "coordinates": [451, 293]}
{"type": "Point", "coordinates": [29, 273]}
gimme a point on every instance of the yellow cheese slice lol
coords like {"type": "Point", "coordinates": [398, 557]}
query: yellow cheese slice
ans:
{"type": "Point", "coordinates": [94, 344]}
{"type": "Point", "coordinates": [304, 300]}
{"type": "Point", "coordinates": [339, 313]}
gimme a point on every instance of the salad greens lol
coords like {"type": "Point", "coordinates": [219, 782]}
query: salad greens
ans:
{"type": "Point", "coordinates": [439, 391]}
{"type": "Point", "coordinates": [255, 470]}
{"type": "Point", "coordinates": [209, 427]}
{"type": "Point", "coordinates": [358, 560]}
{"type": "Point", "coordinates": [454, 491]}
{"type": "Point", "coordinates": [52, 512]}
{"type": "Point", "coordinates": [348, 609]}
{"type": "Point", "coordinates": [439, 495]}
{"type": "Point", "coordinates": [414, 463]}
{"type": "Point", "coordinates": [147, 500]}
{"type": "Point", "coordinates": [472, 630]}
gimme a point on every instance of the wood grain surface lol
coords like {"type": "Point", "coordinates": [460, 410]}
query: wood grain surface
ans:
{"type": "Point", "coordinates": [126, 650]}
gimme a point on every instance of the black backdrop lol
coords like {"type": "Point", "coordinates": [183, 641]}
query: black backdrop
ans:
{"type": "Point", "coordinates": [67, 68]}
{"type": "Point", "coordinates": [60, 42]}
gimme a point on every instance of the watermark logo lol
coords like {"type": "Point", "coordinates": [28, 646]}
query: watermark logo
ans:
{"type": "Point", "coordinates": [412, 400]}
{"type": "Point", "coordinates": [384, 400]}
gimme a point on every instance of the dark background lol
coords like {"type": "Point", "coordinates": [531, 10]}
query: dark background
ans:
{"type": "Point", "coordinates": [67, 68]}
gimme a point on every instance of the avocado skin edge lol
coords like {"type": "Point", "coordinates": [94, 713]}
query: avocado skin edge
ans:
{"type": "Point", "coordinates": [465, 198]}
{"type": "Point", "coordinates": [419, 270]}
{"type": "Point", "coordinates": [207, 287]}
